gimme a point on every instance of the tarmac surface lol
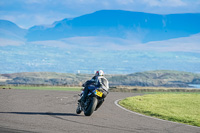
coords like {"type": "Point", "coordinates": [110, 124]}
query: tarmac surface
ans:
{"type": "Point", "coordinates": [42, 111]}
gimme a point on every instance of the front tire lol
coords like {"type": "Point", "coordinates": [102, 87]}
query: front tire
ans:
{"type": "Point", "coordinates": [91, 107]}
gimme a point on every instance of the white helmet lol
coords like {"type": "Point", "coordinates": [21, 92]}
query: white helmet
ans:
{"type": "Point", "coordinates": [99, 73]}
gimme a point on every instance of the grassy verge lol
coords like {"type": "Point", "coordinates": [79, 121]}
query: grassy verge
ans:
{"type": "Point", "coordinates": [183, 108]}
{"type": "Point", "coordinates": [63, 88]}
{"type": "Point", "coordinates": [152, 89]}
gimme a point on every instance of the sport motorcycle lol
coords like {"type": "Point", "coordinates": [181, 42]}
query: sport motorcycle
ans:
{"type": "Point", "coordinates": [94, 100]}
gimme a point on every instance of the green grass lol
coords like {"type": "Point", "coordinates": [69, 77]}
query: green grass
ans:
{"type": "Point", "coordinates": [63, 88]}
{"type": "Point", "coordinates": [183, 108]}
{"type": "Point", "coordinates": [140, 89]}
{"type": "Point", "coordinates": [170, 92]}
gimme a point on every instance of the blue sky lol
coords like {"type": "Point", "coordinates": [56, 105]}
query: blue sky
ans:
{"type": "Point", "coordinates": [27, 13]}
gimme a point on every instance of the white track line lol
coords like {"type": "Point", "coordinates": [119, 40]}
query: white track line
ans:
{"type": "Point", "coordinates": [116, 103]}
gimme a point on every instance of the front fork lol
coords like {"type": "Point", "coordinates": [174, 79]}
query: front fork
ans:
{"type": "Point", "coordinates": [82, 107]}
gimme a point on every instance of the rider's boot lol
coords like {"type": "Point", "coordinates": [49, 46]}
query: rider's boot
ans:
{"type": "Point", "coordinates": [83, 98]}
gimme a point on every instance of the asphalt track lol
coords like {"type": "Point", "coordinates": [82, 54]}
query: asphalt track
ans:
{"type": "Point", "coordinates": [38, 111]}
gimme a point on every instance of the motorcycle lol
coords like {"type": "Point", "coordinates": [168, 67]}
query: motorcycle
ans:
{"type": "Point", "coordinates": [94, 100]}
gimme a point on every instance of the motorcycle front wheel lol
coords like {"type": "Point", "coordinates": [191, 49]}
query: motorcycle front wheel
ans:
{"type": "Point", "coordinates": [91, 107]}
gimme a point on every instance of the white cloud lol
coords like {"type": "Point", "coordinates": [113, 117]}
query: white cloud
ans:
{"type": "Point", "coordinates": [187, 44]}
{"type": "Point", "coordinates": [125, 2]}
{"type": "Point", "coordinates": [54, 43]}
{"type": "Point", "coordinates": [183, 44]}
{"type": "Point", "coordinates": [6, 42]}
{"type": "Point", "coordinates": [34, 1]}
{"type": "Point", "coordinates": [165, 3]}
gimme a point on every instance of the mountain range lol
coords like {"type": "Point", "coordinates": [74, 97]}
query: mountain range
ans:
{"type": "Point", "coordinates": [143, 27]}
{"type": "Point", "coordinates": [114, 40]}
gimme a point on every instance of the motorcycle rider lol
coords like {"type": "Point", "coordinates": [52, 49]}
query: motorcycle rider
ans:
{"type": "Point", "coordinates": [98, 81]}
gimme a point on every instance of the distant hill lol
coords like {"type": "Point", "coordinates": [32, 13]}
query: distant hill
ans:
{"type": "Point", "coordinates": [157, 78]}
{"type": "Point", "coordinates": [150, 78]}
{"type": "Point", "coordinates": [45, 78]}
{"type": "Point", "coordinates": [9, 30]}
{"type": "Point", "coordinates": [138, 26]}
